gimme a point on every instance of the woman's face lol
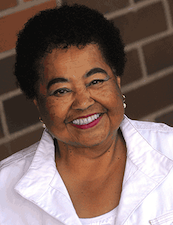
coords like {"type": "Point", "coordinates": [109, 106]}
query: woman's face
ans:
{"type": "Point", "coordinates": [79, 97]}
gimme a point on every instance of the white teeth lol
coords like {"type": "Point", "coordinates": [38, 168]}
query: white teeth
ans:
{"type": "Point", "coordinates": [94, 117]}
{"type": "Point", "coordinates": [86, 120]}
{"type": "Point", "coordinates": [89, 119]}
{"type": "Point", "coordinates": [76, 122]}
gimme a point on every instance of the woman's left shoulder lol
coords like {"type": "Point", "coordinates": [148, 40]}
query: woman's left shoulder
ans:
{"type": "Point", "coordinates": [158, 135]}
{"type": "Point", "coordinates": [152, 126]}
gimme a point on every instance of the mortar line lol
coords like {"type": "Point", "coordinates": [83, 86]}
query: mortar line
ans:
{"type": "Point", "coordinates": [142, 61]}
{"type": "Point", "coordinates": [7, 53]}
{"type": "Point", "coordinates": [21, 6]}
{"type": "Point", "coordinates": [20, 133]}
{"type": "Point", "coordinates": [149, 79]}
{"type": "Point", "coordinates": [20, 2]}
{"type": "Point", "coordinates": [59, 3]}
{"type": "Point", "coordinates": [154, 115]}
{"type": "Point", "coordinates": [128, 9]}
{"type": "Point", "coordinates": [10, 94]}
{"type": "Point", "coordinates": [149, 40]}
{"type": "Point", "coordinates": [4, 121]}
{"type": "Point", "coordinates": [25, 5]}
{"type": "Point", "coordinates": [167, 14]}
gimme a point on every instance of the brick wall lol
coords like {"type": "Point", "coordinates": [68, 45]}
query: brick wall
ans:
{"type": "Point", "coordinates": [147, 30]}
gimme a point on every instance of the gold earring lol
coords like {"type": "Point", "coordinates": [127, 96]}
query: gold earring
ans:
{"type": "Point", "coordinates": [124, 99]}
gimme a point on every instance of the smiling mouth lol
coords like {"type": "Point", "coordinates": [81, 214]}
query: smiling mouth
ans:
{"type": "Point", "coordinates": [86, 120]}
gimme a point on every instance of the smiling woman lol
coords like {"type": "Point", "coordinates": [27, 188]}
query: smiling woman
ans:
{"type": "Point", "coordinates": [92, 165]}
{"type": "Point", "coordinates": [77, 83]}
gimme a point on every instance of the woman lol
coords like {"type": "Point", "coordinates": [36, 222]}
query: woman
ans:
{"type": "Point", "coordinates": [92, 165]}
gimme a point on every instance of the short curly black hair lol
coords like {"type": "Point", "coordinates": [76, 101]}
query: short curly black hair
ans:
{"type": "Point", "coordinates": [75, 25]}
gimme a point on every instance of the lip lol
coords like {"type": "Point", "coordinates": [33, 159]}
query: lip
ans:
{"type": "Point", "coordinates": [89, 125]}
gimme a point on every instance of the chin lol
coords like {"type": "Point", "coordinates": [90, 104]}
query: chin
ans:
{"type": "Point", "coordinates": [94, 141]}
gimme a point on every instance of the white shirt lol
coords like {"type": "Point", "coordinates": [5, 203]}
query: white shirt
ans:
{"type": "Point", "coordinates": [105, 219]}
{"type": "Point", "coordinates": [33, 193]}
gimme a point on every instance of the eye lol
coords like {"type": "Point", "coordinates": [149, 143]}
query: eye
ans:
{"type": "Point", "coordinates": [61, 91]}
{"type": "Point", "coordinates": [95, 82]}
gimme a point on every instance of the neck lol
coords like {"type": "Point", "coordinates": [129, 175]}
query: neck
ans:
{"type": "Point", "coordinates": [93, 176]}
{"type": "Point", "coordinates": [94, 163]}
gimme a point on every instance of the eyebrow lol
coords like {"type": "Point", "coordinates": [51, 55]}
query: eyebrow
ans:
{"type": "Point", "coordinates": [64, 80]}
{"type": "Point", "coordinates": [95, 70]}
{"type": "Point", "coordinates": [56, 80]}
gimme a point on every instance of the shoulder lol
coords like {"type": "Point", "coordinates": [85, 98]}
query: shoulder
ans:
{"type": "Point", "coordinates": [14, 167]}
{"type": "Point", "coordinates": [19, 160]}
{"type": "Point", "coordinates": [152, 126]}
{"type": "Point", "coordinates": [158, 135]}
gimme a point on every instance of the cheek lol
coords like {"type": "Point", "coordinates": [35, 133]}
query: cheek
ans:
{"type": "Point", "coordinates": [112, 101]}
{"type": "Point", "coordinates": [53, 111]}
{"type": "Point", "coordinates": [109, 96]}
{"type": "Point", "coordinates": [115, 94]}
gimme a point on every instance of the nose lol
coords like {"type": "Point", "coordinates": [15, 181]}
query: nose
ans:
{"type": "Point", "coordinates": [82, 100]}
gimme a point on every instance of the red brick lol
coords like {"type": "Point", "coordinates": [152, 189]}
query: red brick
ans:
{"type": "Point", "coordinates": [5, 4]}
{"type": "Point", "coordinates": [143, 23]}
{"type": "Point", "coordinates": [11, 24]}
{"type": "Point", "coordinates": [25, 140]}
{"type": "Point", "coordinates": [166, 118]}
{"type": "Point", "coordinates": [150, 98]}
{"type": "Point", "coordinates": [132, 70]}
{"type": "Point", "coordinates": [7, 79]}
{"type": "Point", "coordinates": [20, 113]}
{"type": "Point", "coordinates": [27, 0]}
{"type": "Point", "coordinates": [101, 5]}
{"type": "Point", "coordinates": [4, 151]}
{"type": "Point", "coordinates": [159, 54]}
{"type": "Point", "coordinates": [171, 7]}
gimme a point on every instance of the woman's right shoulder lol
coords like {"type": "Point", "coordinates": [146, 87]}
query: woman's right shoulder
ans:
{"type": "Point", "coordinates": [26, 154]}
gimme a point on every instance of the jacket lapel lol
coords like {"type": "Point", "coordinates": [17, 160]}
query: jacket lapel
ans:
{"type": "Point", "coordinates": [145, 170]}
{"type": "Point", "coordinates": [43, 185]}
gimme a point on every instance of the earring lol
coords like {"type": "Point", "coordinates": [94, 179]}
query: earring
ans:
{"type": "Point", "coordinates": [124, 99]}
{"type": "Point", "coordinates": [44, 126]}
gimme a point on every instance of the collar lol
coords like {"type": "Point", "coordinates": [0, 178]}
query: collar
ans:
{"type": "Point", "coordinates": [146, 169]}
{"type": "Point", "coordinates": [42, 184]}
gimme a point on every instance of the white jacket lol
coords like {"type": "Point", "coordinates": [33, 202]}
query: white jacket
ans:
{"type": "Point", "coordinates": [33, 193]}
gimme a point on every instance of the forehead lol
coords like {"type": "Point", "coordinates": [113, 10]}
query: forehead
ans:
{"type": "Point", "coordinates": [67, 62]}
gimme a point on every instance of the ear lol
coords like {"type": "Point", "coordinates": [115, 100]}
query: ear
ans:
{"type": "Point", "coordinates": [119, 81]}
